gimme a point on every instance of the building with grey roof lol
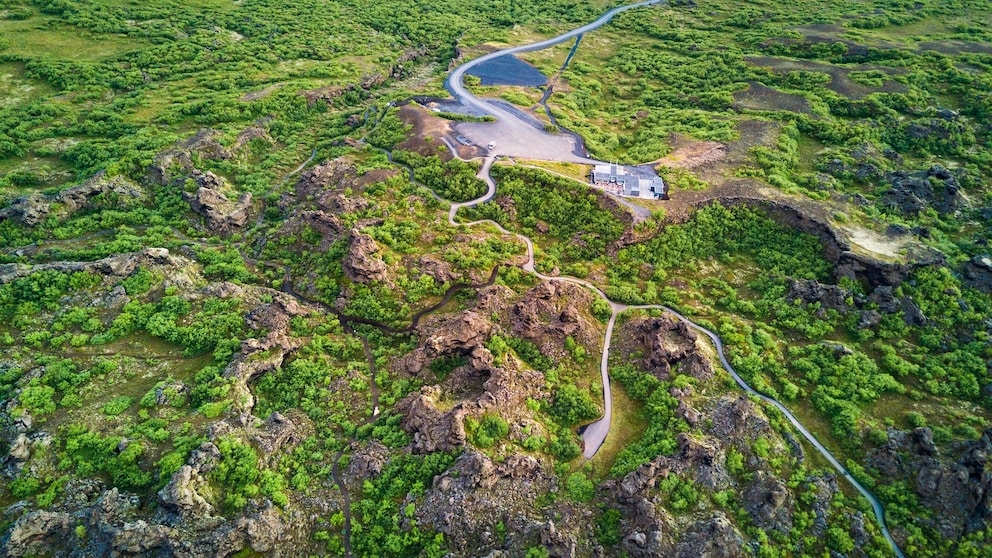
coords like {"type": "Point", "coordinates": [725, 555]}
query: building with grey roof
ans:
{"type": "Point", "coordinates": [619, 180]}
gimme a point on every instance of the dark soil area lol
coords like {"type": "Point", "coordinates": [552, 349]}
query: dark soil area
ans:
{"type": "Point", "coordinates": [840, 80]}
{"type": "Point", "coordinates": [761, 97]}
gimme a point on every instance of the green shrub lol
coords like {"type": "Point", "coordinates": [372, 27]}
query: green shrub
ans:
{"type": "Point", "coordinates": [490, 430]}
{"type": "Point", "coordinates": [117, 406]}
{"type": "Point", "coordinates": [138, 282]}
{"type": "Point", "coordinates": [23, 487]}
{"type": "Point", "coordinates": [572, 405]}
{"type": "Point", "coordinates": [579, 488]}
{"type": "Point", "coordinates": [608, 527]}
{"type": "Point", "coordinates": [39, 400]}
{"type": "Point", "coordinates": [915, 419]}
{"type": "Point", "coordinates": [564, 446]}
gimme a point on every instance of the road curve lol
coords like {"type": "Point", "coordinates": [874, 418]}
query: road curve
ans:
{"type": "Point", "coordinates": [718, 343]}
{"type": "Point", "coordinates": [595, 433]}
{"type": "Point", "coordinates": [514, 133]}
{"type": "Point", "coordinates": [455, 79]}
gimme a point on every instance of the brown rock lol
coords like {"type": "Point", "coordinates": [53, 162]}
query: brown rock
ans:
{"type": "Point", "coordinates": [466, 503]}
{"type": "Point", "coordinates": [33, 209]}
{"type": "Point", "coordinates": [958, 490]}
{"type": "Point", "coordinates": [548, 314]}
{"type": "Point", "coordinates": [221, 214]}
{"type": "Point", "coordinates": [274, 432]}
{"type": "Point", "coordinates": [769, 502]}
{"type": "Point", "coordinates": [361, 265]}
{"type": "Point", "coordinates": [183, 494]}
{"type": "Point", "coordinates": [139, 538]}
{"type": "Point", "coordinates": [367, 461]}
{"type": "Point", "coordinates": [668, 342]}
{"type": "Point", "coordinates": [35, 531]}
{"type": "Point", "coordinates": [432, 429]}
{"type": "Point", "coordinates": [713, 538]}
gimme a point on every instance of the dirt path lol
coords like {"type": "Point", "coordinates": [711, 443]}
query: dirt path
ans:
{"type": "Point", "coordinates": [595, 434]}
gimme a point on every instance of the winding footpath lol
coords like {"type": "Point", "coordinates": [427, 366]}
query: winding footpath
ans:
{"type": "Point", "coordinates": [595, 434]}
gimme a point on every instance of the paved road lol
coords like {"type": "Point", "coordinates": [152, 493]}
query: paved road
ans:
{"type": "Point", "coordinates": [595, 434]}
{"type": "Point", "coordinates": [521, 135]}
{"type": "Point", "coordinates": [875, 504]}
{"type": "Point", "coordinates": [523, 139]}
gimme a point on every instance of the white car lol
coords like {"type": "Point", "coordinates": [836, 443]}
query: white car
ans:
{"type": "Point", "coordinates": [491, 146]}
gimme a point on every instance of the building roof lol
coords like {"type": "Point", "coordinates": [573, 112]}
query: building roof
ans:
{"type": "Point", "coordinates": [632, 184]}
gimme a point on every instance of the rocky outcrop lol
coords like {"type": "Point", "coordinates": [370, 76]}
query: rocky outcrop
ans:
{"type": "Point", "coordinates": [36, 531]}
{"type": "Point", "coordinates": [882, 300]}
{"type": "Point", "coordinates": [548, 314]}
{"type": "Point", "coordinates": [332, 186]}
{"type": "Point", "coordinates": [460, 335]}
{"type": "Point", "coordinates": [558, 543]}
{"type": "Point", "coordinates": [467, 501]}
{"type": "Point", "coordinates": [912, 192]}
{"type": "Point", "coordinates": [823, 488]}
{"type": "Point", "coordinates": [175, 164]}
{"type": "Point", "coordinates": [274, 432]}
{"type": "Point", "coordinates": [188, 495]}
{"type": "Point", "coordinates": [184, 495]}
{"type": "Point", "coordinates": [220, 214]}
{"type": "Point", "coordinates": [977, 273]}
{"type": "Point", "coordinates": [32, 210]}
{"type": "Point", "coordinates": [432, 429]}
{"type": "Point", "coordinates": [737, 420]}
{"type": "Point", "coordinates": [275, 316]}
{"type": "Point", "coordinates": [261, 356]}
{"type": "Point", "coordinates": [715, 537]}
{"type": "Point", "coordinates": [829, 297]}
{"type": "Point", "coordinates": [367, 461]}
{"type": "Point", "coordinates": [121, 265]}
{"type": "Point", "coordinates": [957, 485]}
{"type": "Point", "coordinates": [438, 269]}
{"type": "Point", "coordinates": [109, 525]}
{"type": "Point", "coordinates": [769, 502]}
{"type": "Point", "coordinates": [668, 344]}
{"type": "Point", "coordinates": [362, 265]}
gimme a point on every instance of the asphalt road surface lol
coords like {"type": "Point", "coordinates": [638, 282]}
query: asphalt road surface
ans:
{"type": "Point", "coordinates": [515, 134]}
{"type": "Point", "coordinates": [518, 135]}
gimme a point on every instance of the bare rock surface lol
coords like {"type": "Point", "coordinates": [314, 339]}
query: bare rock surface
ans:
{"type": "Point", "coordinates": [466, 502]}
{"type": "Point", "coordinates": [331, 186]}
{"type": "Point", "coordinates": [913, 191]}
{"type": "Point", "coordinates": [117, 266]}
{"type": "Point", "coordinates": [667, 344]}
{"type": "Point", "coordinates": [977, 273]}
{"type": "Point", "coordinates": [830, 297]}
{"type": "Point", "coordinates": [35, 208]}
{"type": "Point", "coordinates": [957, 485]}
{"type": "Point", "coordinates": [210, 201]}
{"type": "Point", "coordinates": [261, 356]}
{"type": "Point", "coordinates": [362, 264]}
{"type": "Point", "coordinates": [432, 429]}
{"type": "Point", "coordinates": [715, 537]}
{"type": "Point", "coordinates": [463, 334]}
{"type": "Point", "coordinates": [769, 502]}
{"type": "Point", "coordinates": [548, 314]}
